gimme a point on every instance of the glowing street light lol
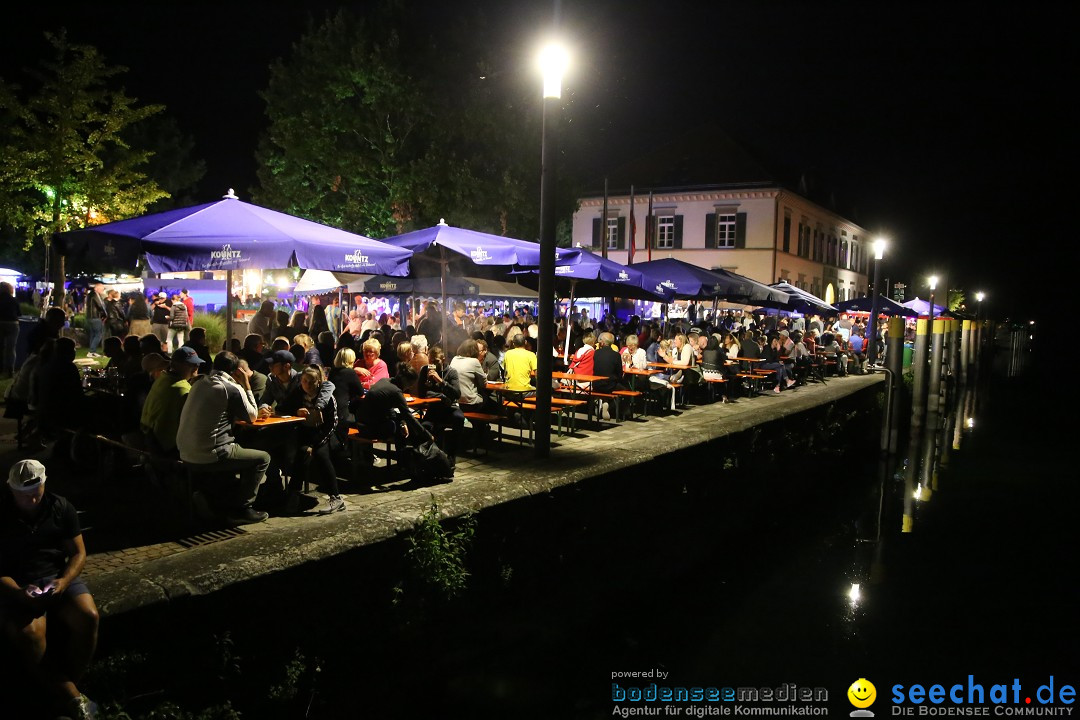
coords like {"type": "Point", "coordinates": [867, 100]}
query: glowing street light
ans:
{"type": "Point", "coordinates": [932, 282]}
{"type": "Point", "coordinates": [553, 62]}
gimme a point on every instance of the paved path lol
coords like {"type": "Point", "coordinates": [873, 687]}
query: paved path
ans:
{"type": "Point", "coordinates": [136, 577]}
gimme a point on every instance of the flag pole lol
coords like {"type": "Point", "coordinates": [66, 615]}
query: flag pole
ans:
{"type": "Point", "coordinates": [650, 229]}
{"type": "Point", "coordinates": [603, 225]}
{"type": "Point", "coordinates": [633, 230]}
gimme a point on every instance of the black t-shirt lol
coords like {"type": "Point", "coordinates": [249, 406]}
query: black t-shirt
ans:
{"type": "Point", "coordinates": [9, 309]}
{"type": "Point", "coordinates": [34, 548]}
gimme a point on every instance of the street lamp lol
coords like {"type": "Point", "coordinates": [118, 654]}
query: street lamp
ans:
{"type": "Point", "coordinates": [871, 349]}
{"type": "Point", "coordinates": [553, 62]}
{"type": "Point", "coordinates": [978, 309]}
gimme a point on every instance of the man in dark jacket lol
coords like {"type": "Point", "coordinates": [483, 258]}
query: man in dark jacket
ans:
{"type": "Point", "coordinates": [607, 362]}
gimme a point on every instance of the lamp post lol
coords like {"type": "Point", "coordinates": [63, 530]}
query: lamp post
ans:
{"type": "Point", "coordinates": [552, 63]}
{"type": "Point", "coordinates": [871, 348]}
{"type": "Point", "coordinates": [932, 282]}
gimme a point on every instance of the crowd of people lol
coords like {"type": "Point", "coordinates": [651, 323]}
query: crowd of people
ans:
{"type": "Point", "coordinates": [196, 412]}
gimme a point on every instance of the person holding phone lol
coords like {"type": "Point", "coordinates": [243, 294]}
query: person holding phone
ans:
{"type": "Point", "coordinates": [41, 556]}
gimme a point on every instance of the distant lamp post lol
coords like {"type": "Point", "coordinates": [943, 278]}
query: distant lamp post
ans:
{"type": "Point", "coordinates": [979, 296]}
{"type": "Point", "coordinates": [932, 282]}
{"type": "Point", "coordinates": [871, 342]}
{"type": "Point", "coordinates": [553, 62]}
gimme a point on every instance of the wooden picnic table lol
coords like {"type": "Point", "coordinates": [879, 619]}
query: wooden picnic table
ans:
{"type": "Point", "coordinates": [273, 420]}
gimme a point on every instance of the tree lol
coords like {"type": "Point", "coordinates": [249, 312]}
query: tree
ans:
{"type": "Point", "coordinates": [380, 131]}
{"type": "Point", "coordinates": [64, 158]}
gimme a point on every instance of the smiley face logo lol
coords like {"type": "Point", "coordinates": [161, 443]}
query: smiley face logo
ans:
{"type": "Point", "coordinates": [862, 693]}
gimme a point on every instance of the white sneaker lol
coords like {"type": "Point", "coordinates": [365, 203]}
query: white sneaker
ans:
{"type": "Point", "coordinates": [605, 411]}
{"type": "Point", "coordinates": [333, 504]}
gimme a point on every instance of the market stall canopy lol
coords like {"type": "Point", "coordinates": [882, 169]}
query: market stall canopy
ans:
{"type": "Point", "coordinates": [320, 282]}
{"type": "Point", "coordinates": [231, 235]}
{"type": "Point", "coordinates": [685, 281]}
{"type": "Point", "coordinates": [386, 285]}
{"type": "Point", "coordinates": [923, 307]}
{"type": "Point", "coordinates": [885, 306]}
{"type": "Point", "coordinates": [802, 301]}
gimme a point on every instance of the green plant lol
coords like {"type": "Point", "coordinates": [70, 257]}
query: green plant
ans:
{"type": "Point", "coordinates": [214, 324]}
{"type": "Point", "coordinates": [295, 670]}
{"type": "Point", "coordinates": [28, 309]}
{"type": "Point", "coordinates": [436, 556]}
{"type": "Point", "coordinates": [78, 322]}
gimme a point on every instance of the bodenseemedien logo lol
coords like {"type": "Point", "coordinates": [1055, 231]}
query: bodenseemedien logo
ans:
{"type": "Point", "coordinates": [862, 694]}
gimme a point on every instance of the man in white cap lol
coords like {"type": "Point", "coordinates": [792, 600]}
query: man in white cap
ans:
{"type": "Point", "coordinates": [41, 556]}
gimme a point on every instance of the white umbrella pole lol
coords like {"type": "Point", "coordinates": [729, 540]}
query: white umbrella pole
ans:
{"type": "Point", "coordinates": [569, 310]}
{"type": "Point", "coordinates": [228, 310]}
{"type": "Point", "coordinates": [442, 291]}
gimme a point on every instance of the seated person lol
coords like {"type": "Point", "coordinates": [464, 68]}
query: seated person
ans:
{"type": "Point", "coordinates": [771, 353]}
{"type": "Point", "coordinates": [472, 380]}
{"type": "Point", "coordinates": [370, 367]}
{"type": "Point", "coordinates": [160, 418]}
{"type": "Point", "coordinates": [41, 556]}
{"type": "Point", "coordinates": [311, 353]}
{"type": "Point", "coordinates": [254, 348]}
{"type": "Point", "coordinates": [197, 340]}
{"type": "Point", "coordinates": [608, 363]}
{"type": "Point", "coordinates": [60, 401]}
{"type": "Point", "coordinates": [205, 439]}
{"type": "Point", "coordinates": [519, 363]}
{"type": "Point", "coordinates": [312, 459]}
{"type": "Point", "coordinates": [112, 347]}
{"type": "Point", "coordinates": [384, 414]}
{"type": "Point", "coordinates": [438, 380]}
{"type": "Point", "coordinates": [131, 364]}
{"type": "Point", "coordinates": [347, 389]}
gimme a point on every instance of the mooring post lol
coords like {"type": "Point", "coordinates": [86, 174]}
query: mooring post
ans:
{"type": "Point", "coordinates": [933, 411]}
{"type": "Point", "coordinates": [894, 363]}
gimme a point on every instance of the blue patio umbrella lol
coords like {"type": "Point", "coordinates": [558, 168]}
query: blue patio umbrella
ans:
{"type": "Point", "coordinates": [683, 280]}
{"type": "Point", "coordinates": [885, 306]}
{"type": "Point", "coordinates": [922, 307]}
{"type": "Point", "coordinates": [228, 235]}
{"type": "Point", "coordinates": [802, 301]}
{"type": "Point", "coordinates": [468, 248]}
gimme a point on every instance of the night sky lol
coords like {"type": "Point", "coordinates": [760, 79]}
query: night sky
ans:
{"type": "Point", "coordinates": [940, 126]}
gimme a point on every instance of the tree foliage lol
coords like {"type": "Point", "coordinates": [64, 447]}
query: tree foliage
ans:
{"type": "Point", "coordinates": [65, 161]}
{"type": "Point", "coordinates": [379, 132]}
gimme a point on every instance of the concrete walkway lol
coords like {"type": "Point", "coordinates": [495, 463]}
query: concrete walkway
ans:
{"type": "Point", "coordinates": [137, 577]}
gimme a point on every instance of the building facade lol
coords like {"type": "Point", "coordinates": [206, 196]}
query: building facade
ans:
{"type": "Point", "coordinates": [761, 230]}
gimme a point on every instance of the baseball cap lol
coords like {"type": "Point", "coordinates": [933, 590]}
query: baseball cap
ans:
{"type": "Point", "coordinates": [282, 356]}
{"type": "Point", "coordinates": [26, 476]}
{"type": "Point", "coordinates": [187, 355]}
{"type": "Point", "coordinates": [154, 361]}
{"type": "Point", "coordinates": [162, 295]}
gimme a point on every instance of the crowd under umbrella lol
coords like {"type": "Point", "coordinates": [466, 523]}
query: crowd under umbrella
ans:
{"type": "Point", "coordinates": [678, 279]}
{"type": "Point", "coordinates": [468, 251]}
{"type": "Point", "coordinates": [589, 274]}
{"type": "Point", "coordinates": [228, 235]}
{"type": "Point", "coordinates": [885, 306]}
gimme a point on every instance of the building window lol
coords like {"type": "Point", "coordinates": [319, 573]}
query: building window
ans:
{"type": "Point", "coordinates": [665, 231]}
{"type": "Point", "coordinates": [725, 231]}
{"type": "Point", "coordinates": [787, 233]}
{"type": "Point", "coordinates": [613, 233]}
